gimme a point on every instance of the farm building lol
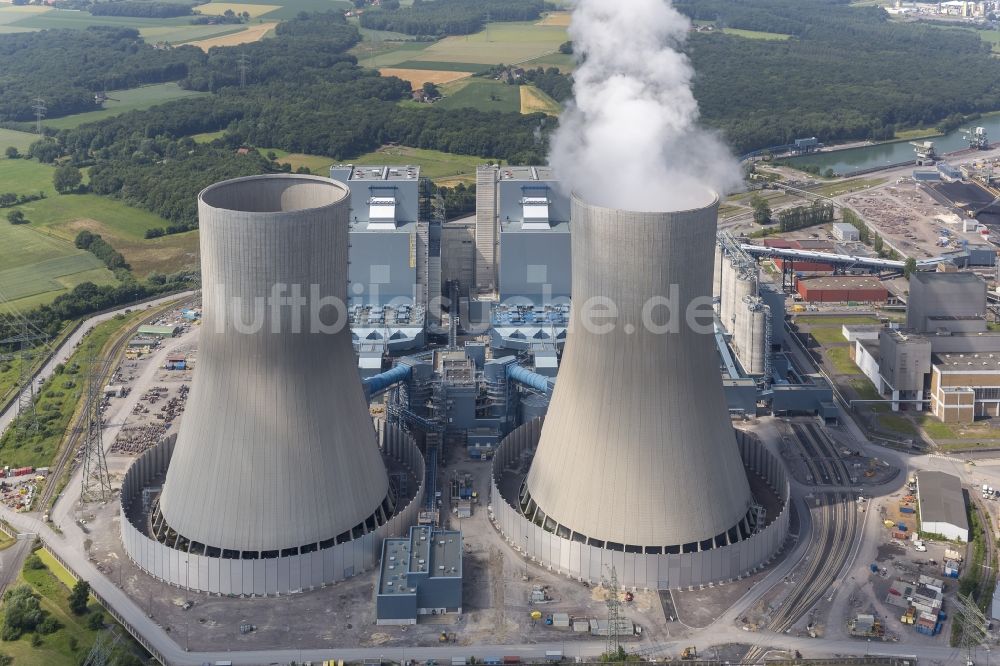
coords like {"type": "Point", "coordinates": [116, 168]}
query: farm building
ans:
{"type": "Point", "coordinates": [840, 289]}
{"type": "Point", "coordinates": [942, 505]}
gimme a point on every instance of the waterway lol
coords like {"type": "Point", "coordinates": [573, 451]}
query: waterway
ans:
{"type": "Point", "coordinates": [852, 160]}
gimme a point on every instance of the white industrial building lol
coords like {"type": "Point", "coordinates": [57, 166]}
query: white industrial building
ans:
{"type": "Point", "coordinates": [942, 505]}
{"type": "Point", "coordinates": [845, 232]}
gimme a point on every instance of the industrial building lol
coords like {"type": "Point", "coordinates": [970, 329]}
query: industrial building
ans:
{"type": "Point", "coordinates": [842, 289]}
{"type": "Point", "coordinates": [276, 481]}
{"type": "Point", "coordinates": [955, 302]}
{"type": "Point", "coordinates": [395, 260]}
{"type": "Point", "coordinates": [941, 501]}
{"type": "Point", "coordinates": [419, 575]}
{"type": "Point", "coordinates": [945, 359]}
{"type": "Point", "coordinates": [157, 331]}
{"type": "Point", "coordinates": [843, 231]}
{"type": "Point", "coordinates": [626, 470]}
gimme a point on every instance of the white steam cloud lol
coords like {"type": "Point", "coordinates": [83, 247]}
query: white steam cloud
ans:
{"type": "Point", "coordinates": [630, 139]}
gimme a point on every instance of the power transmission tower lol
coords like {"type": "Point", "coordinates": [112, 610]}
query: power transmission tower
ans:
{"type": "Point", "coordinates": [100, 653]}
{"type": "Point", "coordinates": [614, 606]}
{"type": "Point", "coordinates": [972, 623]}
{"type": "Point", "coordinates": [39, 107]}
{"type": "Point", "coordinates": [27, 417]}
{"type": "Point", "coordinates": [244, 62]}
{"type": "Point", "coordinates": [96, 482]}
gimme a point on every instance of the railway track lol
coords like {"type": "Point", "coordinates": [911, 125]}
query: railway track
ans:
{"type": "Point", "coordinates": [835, 529]}
{"type": "Point", "coordinates": [64, 463]}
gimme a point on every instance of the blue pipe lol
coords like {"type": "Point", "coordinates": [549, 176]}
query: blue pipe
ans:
{"type": "Point", "coordinates": [522, 375]}
{"type": "Point", "coordinates": [379, 383]}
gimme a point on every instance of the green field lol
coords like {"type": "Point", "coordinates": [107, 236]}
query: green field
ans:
{"type": "Point", "coordinates": [827, 335]}
{"type": "Point", "coordinates": [125, 100]}
{"type": "Point", "coordinates": [508, 43]}
{"type": "Point", "coordinates": [317, 164]}
{"type": "Point", "coordinates": [50, 584]}
{"type": "Point", "coordinates": [757, 34]}
{"type": "Point", "coordinates": [25, 177]}
{"type": "Point", "coordinates": [835, 320]}
{"type": "Point", "coordinates": [208, 137]}
{"type": "Point", "coordinates": [562, 61]}
{"type": "Point", "coordinates": [67, 18]}
{"type": "Point", "coordinates": [484, 95]}
{"type": "Point", "coordinates": [438, 166]}
{"type": "Point", "coordinates": [838, 187]}
{"type": "Point", "coordinates": [840, 359]}
{"type": "Point", "coordinates": [443, 66]}
{"type": "Point", "coordinates": [20, 140]}
{"type": "Point", "coordinates": [121, 225]}
{"type": "Point", "coordinates": [180, 34]}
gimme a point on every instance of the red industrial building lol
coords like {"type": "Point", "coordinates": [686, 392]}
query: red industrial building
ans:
{"type": "Point", "coordinates": [841, 289]}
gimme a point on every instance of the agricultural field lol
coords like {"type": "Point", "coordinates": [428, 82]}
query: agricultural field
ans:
{"type": "Point", "coordinates": [562, 61]}
{"type": "Point", "coordinates": [443, 168]}
{"type": "Point", "coordinates": [317, 164]}
{"type": "Point", "coordinates": [509, 43]}
{"type": "Point", "coordinates": [20, 140]}
{"type": "Point", "coordinates": [757, 34]}
{"type": "Point", "coordinates": [10, 15]}
{"type": "Point", "coordinates": [182, 34]}
{"type": "Point", "coordinates": [208, 137]}
{"type": "Point", "coordinates": [534, 100]}
{"type": "Point", "coordinates": [121, 225]}
{"type": "Point", "coordinates": [121, 101]}
{"type": "Point", "coordinates": [252, 34]}
{"type": "Point", "coordinates": [220, 8]}
{"type": "Point", "coordinates": [483, 94]}
{"type": "Point", "coordinates": [560, 19]}
{"type": "Point", "coordinates": [23, 176]}
{"type": "Point", "coordinates": [418, 77]}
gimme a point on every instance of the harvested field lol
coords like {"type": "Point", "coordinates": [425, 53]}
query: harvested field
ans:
{"type": "Point", "coordinates": [556, 18]}
{"type": "Point", "coordinates": [534, 100]}
{"type": "Point", "coordinates": [219, 8]}
{"type": "Point", "coordinates": [251, 34]}
{"type": "Point", "coordinates": [418, 77]}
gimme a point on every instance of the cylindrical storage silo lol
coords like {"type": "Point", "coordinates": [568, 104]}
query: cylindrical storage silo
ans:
{"type": "Point", "coordinates": [758, 324]}
{"type": "Point", "coordinates": [637, 451]}
{"type": "Point", "coordinates": [717, 276]}
{"type": "Point", "coordinates": [727, 307]}
{"type": "Point", "coordinates": [276, 453]}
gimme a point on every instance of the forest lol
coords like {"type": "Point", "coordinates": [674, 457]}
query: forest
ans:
{"type": "Point", "coordinates": [846, 73]}
{"type": "Point", "coordinates": [450, 17]}
{"type": "Point", "coordinates": [139, 9]}
{"type": "Point", "coordinates": [66, 67]}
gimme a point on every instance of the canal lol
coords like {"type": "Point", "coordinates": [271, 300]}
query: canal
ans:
{"type": "Point", "coordinates": [852, 160]}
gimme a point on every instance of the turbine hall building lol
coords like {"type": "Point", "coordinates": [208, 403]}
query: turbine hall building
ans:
{"type": "Point", "coordinates": [276, 481]}
{"type": "Point", "coordinates": [627, 471]}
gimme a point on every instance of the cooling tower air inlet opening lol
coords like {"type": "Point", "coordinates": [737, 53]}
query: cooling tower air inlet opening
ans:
{"type": "Point", "coordinates": [704, 197]}
{"type": "Point", "coordinates": [274, 193]}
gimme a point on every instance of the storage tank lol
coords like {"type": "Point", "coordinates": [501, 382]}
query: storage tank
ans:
{"type": "Point", "coordinates": [717, 276]}
{"type": "Point", "coordinates": [276, 451]}
{"type": "Point", "coordinates": [637, 450]}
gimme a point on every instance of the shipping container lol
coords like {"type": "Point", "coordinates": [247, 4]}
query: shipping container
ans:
{"type": "Point", "coordinates": [511, 660]}
{"type": "Point", "coordinates": [907, 509]}
{"type": "Point", "coordinates": [553, 655]}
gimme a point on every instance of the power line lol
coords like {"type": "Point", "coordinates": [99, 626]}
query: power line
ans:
{"type": "Point", "coordinates": [39, 107]}
{"type": "Point", "coordinates": [614, 608]}
{"type": "Point", "coordinates": [26, 423]}
{"type": "Point", "coordinates": [96, 482]}
{"type": "Point", "coordinates": [243, 61]}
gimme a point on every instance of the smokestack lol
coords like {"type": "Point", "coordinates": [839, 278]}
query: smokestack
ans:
{"type": "Point", "coordinates": [637, 450]}
{"type": "Point", "coordinates": [276, 451]}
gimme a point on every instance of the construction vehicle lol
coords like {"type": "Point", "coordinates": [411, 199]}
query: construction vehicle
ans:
{"type": "Point", "coordinates": [689, 653]}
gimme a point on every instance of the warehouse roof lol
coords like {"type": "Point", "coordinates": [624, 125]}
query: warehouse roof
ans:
{"type": "Point", "coordinates": [843, 282]}
{"type": "Point", "coordinates": [941, 499]}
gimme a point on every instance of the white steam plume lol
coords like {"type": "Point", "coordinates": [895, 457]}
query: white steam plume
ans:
{"type": "Point", "coordinates": [630, 139]}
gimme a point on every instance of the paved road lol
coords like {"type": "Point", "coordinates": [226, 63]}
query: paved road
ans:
{"type": "Point", "coordinates": [63, 352]}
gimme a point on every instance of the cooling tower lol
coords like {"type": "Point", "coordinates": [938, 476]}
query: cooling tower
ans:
{"type": "Point", "coordinates": [637, 450]}
{"type": "Point", "coordinates": [276, 451]}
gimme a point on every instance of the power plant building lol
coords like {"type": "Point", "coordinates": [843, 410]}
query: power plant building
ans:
{"type": "Point", "coordinates": [419, 575]}
{"type": "Point", "coordinates": [395, 258]}
{"type": "Point", "coordinates": [626, 470]}
{"type": "Point", "coordinates": [276, 480]}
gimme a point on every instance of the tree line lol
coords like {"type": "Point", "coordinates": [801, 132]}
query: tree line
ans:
{"type": "Point", "coordinates": [66, 67]}
{"type": "Point", "coordinates": [846, 73]}
{"type": "Point", "coordinates": [449, 17]}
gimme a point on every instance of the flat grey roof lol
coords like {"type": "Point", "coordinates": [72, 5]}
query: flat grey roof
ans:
{"type": "Point", "coordinates": [526, 173]}
{"type": "Point", "coordinates": [941, 499]}
{"type": "Point", "coordinates": [968, 361]}
{"type": "Point", "coordinates": [929, 277]}
{"type": "Point", "coordinates": [383, 172]}
{"type": "Point", "coordinates": [446, 554]}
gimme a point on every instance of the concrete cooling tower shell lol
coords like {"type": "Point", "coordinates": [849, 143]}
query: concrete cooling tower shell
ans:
{"type": "Point", "coordinates": [276, 450]}
{"type": "Point", "coordinates": [637, 448]}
